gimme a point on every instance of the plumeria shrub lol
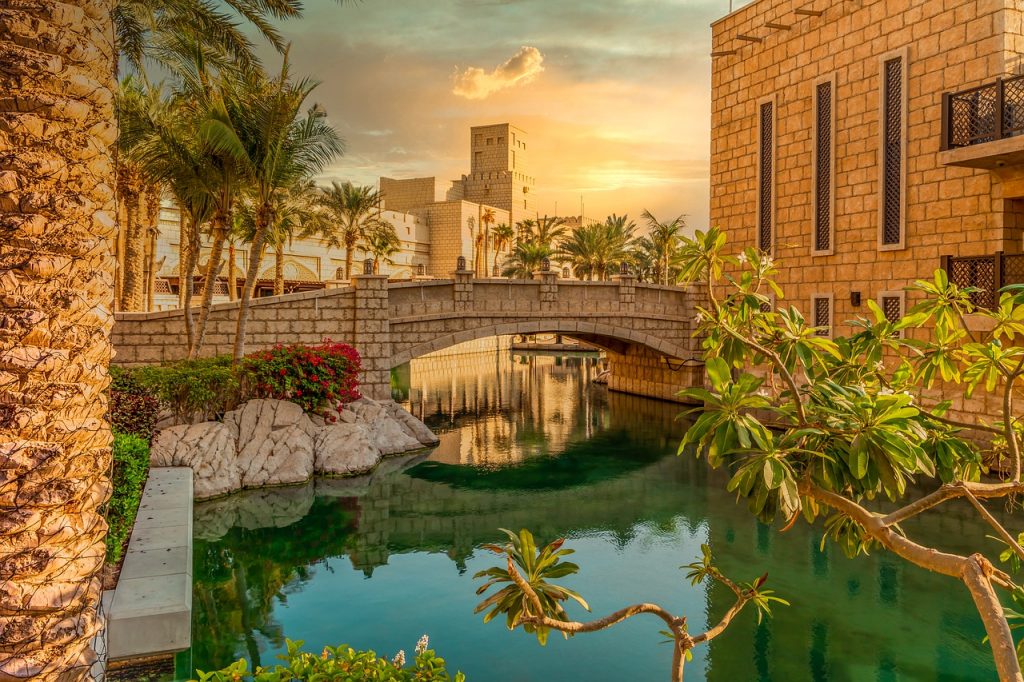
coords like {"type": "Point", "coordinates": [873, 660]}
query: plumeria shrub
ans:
{"type": "Point", "coordinates": [827, 428]}
{"type": "Point", "coordinates": [319, 378]}
{"type": "Point", "coordinates": [342, 664]}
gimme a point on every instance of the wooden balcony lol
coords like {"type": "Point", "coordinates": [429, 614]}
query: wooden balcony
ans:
{"type": "Point", "coordinates": [988, 274]}
{"type": "Point", "coordinates": [983, 127]}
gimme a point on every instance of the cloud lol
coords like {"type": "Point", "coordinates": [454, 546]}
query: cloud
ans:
{"type": "Point", "coordinates": [520, 68]}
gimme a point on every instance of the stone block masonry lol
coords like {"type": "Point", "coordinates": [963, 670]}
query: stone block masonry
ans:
{"type": "Point", "coordinates": [390, 324]}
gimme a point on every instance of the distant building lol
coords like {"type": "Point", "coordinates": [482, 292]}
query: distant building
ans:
{"type": "Point", "coordinates": [433, 233]}
{"type": "Point", "coordinates": [499, 171]}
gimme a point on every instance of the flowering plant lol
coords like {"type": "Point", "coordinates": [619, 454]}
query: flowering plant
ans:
{"type": "Point", "coordinates": [318, 378]}
{"type": "Point", "coordinates": [343, 664]}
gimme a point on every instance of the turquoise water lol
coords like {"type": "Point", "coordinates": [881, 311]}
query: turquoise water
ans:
{"type": "Point", "coordinates": [530, 441]}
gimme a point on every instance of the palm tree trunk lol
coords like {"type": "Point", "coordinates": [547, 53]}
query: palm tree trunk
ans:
{"type": "Point", "coordinates": [349, 247]}
{"type": "Point", "coordinates": [153, 221]}
{"type": "Point", "coordinates": [232, 272]}
{"type": "Point", "coordinates": [183, 244]}
{"type": "Point", "coordinates": [119, 256]}
{"type": "Point", "coordinates": [252, 271]}
{"type": "Point", "coordinates": [279, 268]}
{"type": "Point", "coordinates": [134, 254]}
{"type": "Point", "coordinates": [213, 267]}
{"type": "Point", "coordinates": [55, 253]}
{"type": "Point", "coordinates": [151, 277]}
{"type": "Point", "coordinates": [186, 271]}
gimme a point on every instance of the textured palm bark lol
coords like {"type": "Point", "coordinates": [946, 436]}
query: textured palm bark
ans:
{"type": "Point", "coordinates": [57, 226]}
{"type": "Point", "coordinates": [279, 268]}
{"type": "Point", "coordinates": [129, 189]}
{"type": "Point", "coordinates": [153, 232]}
{"type": "Point", "coordinates": [232, 272]}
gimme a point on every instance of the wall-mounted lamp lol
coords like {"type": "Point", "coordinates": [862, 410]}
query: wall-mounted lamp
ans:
{"type": "Point", "coordinates": [855, 298]}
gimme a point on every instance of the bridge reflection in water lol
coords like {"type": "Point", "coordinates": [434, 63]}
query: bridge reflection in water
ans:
{"type": "Point", "coordinates": [377, 560]}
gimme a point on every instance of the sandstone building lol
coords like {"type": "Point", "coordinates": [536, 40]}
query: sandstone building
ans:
{"type": "Point", "coordinates": [866, 143]}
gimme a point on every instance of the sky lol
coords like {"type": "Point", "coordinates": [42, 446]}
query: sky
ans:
{"type": "Point", "coordinates": [614, 94]}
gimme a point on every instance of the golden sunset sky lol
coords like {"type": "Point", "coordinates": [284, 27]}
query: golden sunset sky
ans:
{"type": "Point", "coordinates": [614, 94]}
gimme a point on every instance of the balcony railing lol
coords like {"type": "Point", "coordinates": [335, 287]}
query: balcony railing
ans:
{"type": "Point", "coordinates": [989, 274]}
{"type": "Point", "coordinates": [989, 112]}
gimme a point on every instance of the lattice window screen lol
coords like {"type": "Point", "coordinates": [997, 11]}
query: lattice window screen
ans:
{"type": "Point", "coordinates": [823, 315]}
{"type": "Point", "coordinates": [892, 152]}
{"type": "Point", "coordinates": [892, 306]}
{"type": "Point", "coordinates": [764, 218]}
{"type": "Point", "coordinates": [823, 169]}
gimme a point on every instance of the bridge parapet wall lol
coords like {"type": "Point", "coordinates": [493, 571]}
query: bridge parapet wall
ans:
{"type": "Point", "coordinates": [389, 324]}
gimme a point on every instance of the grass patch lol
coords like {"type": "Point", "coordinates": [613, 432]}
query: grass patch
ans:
{"type": "Point", "coordinates": [131, 467]}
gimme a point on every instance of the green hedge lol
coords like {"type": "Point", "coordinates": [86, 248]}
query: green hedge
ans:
{"type": "Point", "coordinates": [318, 378]}
{"type": "Point", "coordinates": [131, 467]}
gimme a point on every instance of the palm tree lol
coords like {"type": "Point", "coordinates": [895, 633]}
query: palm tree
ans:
{"type": "Point", "coordinates": [581, 250]}
{"type": "Point", "coordinates": [297, 211]}
{"type": "Point", "coordinates": [354, 210]}
{"type": "Point", "coordinates": [382, 242]}
{"type": "Point", "coordinates": [524, 228]}
{"type": "Point", "coordinates": [55, 332]}
{"type": "Point", "coordinates": [525, 259]}
{"type": "Point", "coordinates": [56, 443]}
{"type": "Point", "coordinates": [504, 235]}
{"type": "Point", "coordinates": [547, 231]}
{"type": "Point", "coordinates": [259, 124]}
{"type": "Point", "coordinates": [134, 105]}
{"type": "Point", "coordinates": [487, 218]}
{"type": "Point", "coordinates": [664, 238]}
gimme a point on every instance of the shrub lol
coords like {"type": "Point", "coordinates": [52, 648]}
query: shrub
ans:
{"type": "Point", "coordinates": [208, 387]}
{"type": "Point", "coordinates": [133, 408]}
{"type": "Point", "coordinates": [131, 467]}
{"type": "Point", "coordinates": [341, 664]}
{"type": "Point", "coordinates": [315, 377]}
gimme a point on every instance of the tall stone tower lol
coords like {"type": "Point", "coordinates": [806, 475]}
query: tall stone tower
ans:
{"type": "Point", "coordinates": [499, 171]}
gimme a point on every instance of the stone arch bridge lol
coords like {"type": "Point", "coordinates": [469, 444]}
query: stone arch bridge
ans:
{"type": "Point", "coordinates": [645, 329]}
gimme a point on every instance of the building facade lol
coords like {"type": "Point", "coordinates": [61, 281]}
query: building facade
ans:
{"type": "Point", "coordinates": [500, 174]}
{"type": "Point", "coordinates": [844, 144]}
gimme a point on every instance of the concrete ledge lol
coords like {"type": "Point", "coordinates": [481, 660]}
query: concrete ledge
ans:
{"type": "Point", "coordinates": [151, 612]}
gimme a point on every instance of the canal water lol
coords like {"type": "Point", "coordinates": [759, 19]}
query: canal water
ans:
{"type": "Point", "coordinates": [531, 441]}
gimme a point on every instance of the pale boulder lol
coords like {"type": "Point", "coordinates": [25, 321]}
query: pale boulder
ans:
{"type": "Point", "coordinates": [207, 448]}
{"type": "Point", "coordinates": [345, 450]}
{"type": "Point", "coordinates": [274, 442]}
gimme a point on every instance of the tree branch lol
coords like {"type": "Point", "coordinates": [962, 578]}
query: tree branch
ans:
{"type": "Point", "coordinates": [589, 626]}
{"type": "Point", "coordinates": [998, 527]}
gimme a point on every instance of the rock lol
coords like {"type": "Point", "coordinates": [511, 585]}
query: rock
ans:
{"type": "Point", "coordinates": [274, 442]}
{"type": "Point", "coordinates": [208, 449]}
{"type": "Point", "coordinates": [389, 436]}
{"type": "Point", "coordinates": [345, 449]}
{"type": "Point", "coordinates": [411, 425]}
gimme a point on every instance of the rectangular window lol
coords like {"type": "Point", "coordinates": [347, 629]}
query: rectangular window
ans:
{"type": "Point", "coordinates": [821, 314]}
{"type": "Point", "coordinates": [892, 151]}
{"type": "Point", "coordinates": [765, 176]}
{"type": "Point", "coordinates": [824, 166]}
{"type": "Point", "coordinates": [478, 157]}
{"type": "Point", "coordinates": [478, 139]}
{"type": "Point", "coordinates": [892, 304]}
{"type": "Point", "coordinates": [490, 141]}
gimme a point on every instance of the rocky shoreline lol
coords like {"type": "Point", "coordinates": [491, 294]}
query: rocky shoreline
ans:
{"type": "Point", "coordinates": [273, 442]}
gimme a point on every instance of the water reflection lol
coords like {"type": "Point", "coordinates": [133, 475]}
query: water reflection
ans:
{"type": "Point", "coordinates": [378, 560]}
